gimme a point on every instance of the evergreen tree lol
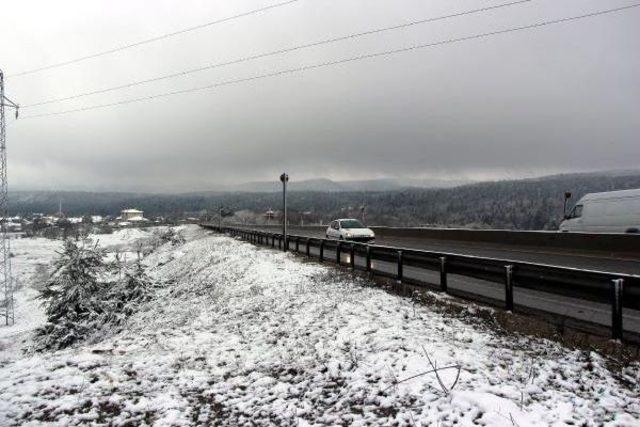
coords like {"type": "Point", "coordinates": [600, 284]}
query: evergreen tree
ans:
{"type": "Point", "coordinates": [72, 296]}
{"type": "Point", "coordinates": [84, 294]}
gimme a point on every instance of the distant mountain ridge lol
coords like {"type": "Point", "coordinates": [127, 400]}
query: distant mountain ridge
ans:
{"type": "Point", "coordinates": [325, 184]}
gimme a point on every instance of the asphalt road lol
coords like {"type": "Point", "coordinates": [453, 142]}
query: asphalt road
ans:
{"type": "Point", "coordinates": [589, 261]}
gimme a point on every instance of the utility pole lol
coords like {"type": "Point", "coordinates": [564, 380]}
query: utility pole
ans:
{"type": "Point", "coordinates": [284, 178]}
{"type": "Point", "coordinates": [6, 281]}
{"type": "Point", "coordinates": [363, 208]}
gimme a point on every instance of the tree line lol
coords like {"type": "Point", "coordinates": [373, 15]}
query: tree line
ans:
{"type": "Point", "coordinates": [528, 204]}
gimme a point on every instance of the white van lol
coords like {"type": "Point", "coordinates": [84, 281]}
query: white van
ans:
{"type": "Point", "coordinates": [610, 212]}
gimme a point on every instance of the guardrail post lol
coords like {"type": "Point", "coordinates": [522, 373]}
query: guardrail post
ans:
{"type": "Point", "coordinates": [508, 287]}
{"type": "Point", "coordinates": [322, 250]}
{"type": "Point", "coordinates": [338, 248]}
{"type": "Point", "coordinates": [273, 241]}
{"type": "Point", "coordinates": [308, 250]}
{"type": "Point", "coordinates": [297, 244]}
{"type": "Point", "coordinates": [400, 262]}
{"type": "Point", "coordinates": [368, 261]}
{"type": "Point", "coordinates": [617, 287]}
{"type": "Point", "coordinates": [443, 273]}
{"type": "Point", "coordinates": [279, 242]}
{"type": "Point", "coordinates": [352, 256]}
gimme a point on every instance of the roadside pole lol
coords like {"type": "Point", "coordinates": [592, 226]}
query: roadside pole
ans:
{"type": "Point", "coordinates": [284, 178]}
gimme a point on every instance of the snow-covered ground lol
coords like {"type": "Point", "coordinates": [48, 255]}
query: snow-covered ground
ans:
{"type": "Point", "coordinates": [240, 335]}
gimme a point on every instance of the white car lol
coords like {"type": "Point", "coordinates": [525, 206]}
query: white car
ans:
{"type": "Point", "coordinates": [349, 229]}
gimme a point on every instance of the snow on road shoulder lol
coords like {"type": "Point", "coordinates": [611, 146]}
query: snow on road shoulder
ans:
{"type": "Point", "coordinates": [244, 335]}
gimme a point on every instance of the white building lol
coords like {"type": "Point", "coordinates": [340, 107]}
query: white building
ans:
{"type": "Point", "coordinates": [132, 215]}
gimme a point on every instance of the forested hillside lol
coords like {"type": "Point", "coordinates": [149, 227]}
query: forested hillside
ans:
{"type": "Point", "coordinates": [518, 204]}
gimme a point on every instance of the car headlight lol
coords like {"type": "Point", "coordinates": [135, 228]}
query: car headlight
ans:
{"type": "Point", "coordinates": [347, 234]}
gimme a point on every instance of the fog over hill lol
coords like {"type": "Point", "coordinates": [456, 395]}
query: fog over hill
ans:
{"type": "Point", "coordinates": [516, 204]}
{"type": "Point", "coordinates": [325, 184]}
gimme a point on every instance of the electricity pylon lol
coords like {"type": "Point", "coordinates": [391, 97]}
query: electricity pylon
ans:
{"type": "Point", "coordinates": [6, 281]}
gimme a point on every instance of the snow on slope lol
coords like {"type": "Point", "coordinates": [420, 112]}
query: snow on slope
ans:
{"type": "Point", "coordinates": [243, 335]}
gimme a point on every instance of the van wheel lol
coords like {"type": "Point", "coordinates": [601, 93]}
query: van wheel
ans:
{"type": "Point", "coordinates": [632, 230]}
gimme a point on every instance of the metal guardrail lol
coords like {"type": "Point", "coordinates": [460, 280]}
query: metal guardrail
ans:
{"type": "Point", "coordinates": [618, 290]}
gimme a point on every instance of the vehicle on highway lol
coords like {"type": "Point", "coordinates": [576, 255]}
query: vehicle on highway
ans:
{"type": "Point", "coordinates": [349, 229]}
{"type": "Point", "coordinates": [608, 212]}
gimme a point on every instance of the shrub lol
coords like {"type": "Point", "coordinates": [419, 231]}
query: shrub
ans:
{"type": "Point", "coordinates": [127, 293]}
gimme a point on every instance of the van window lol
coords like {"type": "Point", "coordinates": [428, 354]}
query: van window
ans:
{"type": "Point", "coordinates": [576, 212]}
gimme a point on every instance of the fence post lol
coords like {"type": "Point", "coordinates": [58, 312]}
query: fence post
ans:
{"type": "Point", "coordinates": [338, 248]}
{"type": "Point", "coordinates": [368, 258]}
{"type": "Point", "coordinates": [400, 262]}
{"type": "Point", "coordinates": [322, 250]}
{"type": "Point", "coordinates": [443, 273]}
{"type": "Point", "coordinates": [352, 256]}
{"type": "Point", "coordinates": [308, 251]}
{"type": "Point", "coordinates": [617, 287]}
{"type": "Point", "coordinates": [508, 287]}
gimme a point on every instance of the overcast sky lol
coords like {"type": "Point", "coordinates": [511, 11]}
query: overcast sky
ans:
{"type": "Point", "coordinates": [553, 99]}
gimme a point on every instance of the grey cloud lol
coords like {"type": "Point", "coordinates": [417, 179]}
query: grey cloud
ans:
{"type": "Point", "coordinates": [560, 98]}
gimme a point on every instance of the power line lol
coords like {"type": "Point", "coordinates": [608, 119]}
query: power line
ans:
{"type": "Point", "coordinates": [275, 52]}
{"type": "Point", "coordinates": [346, 60]}
{"type": "Point", "coordinates": [151, 40]}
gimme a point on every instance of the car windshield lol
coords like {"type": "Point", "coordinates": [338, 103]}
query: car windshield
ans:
{"type": "Point", "coordinates": [351, 223]}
